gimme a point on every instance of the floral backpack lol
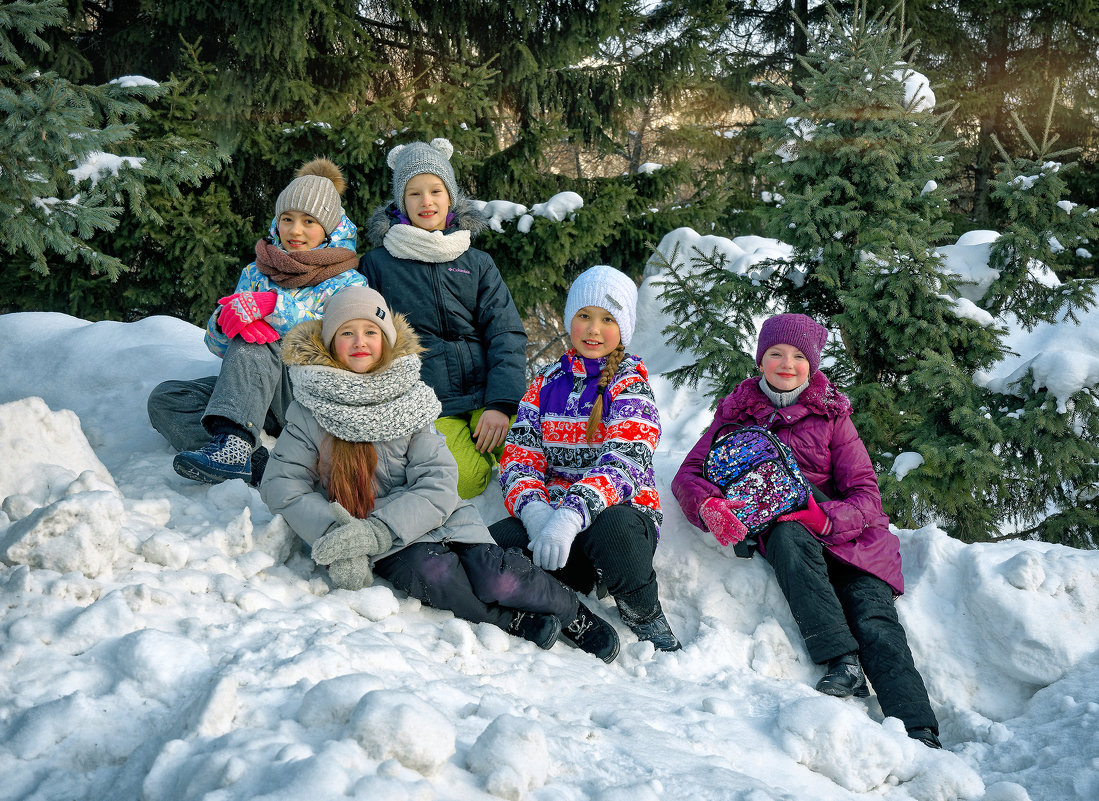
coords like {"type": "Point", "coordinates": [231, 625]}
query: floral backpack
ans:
{"type": "Point", "coordinates": [751, 464]}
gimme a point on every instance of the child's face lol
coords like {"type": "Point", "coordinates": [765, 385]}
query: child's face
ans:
{"type": "Point", "coordinates": [299, 231]}
{"type": "Point", "coordinates": [784, 367]}
{"type": "Point", "coordinates": [427, 201]}
{"type": "Point", "coordinates": [594, 333]}
{"type": "Point", "coordinates": [358, 345]}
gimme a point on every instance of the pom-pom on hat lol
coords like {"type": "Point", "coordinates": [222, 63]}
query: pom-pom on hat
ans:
{"type": "Point", "coordinates": [356, 303]}
{"type": "Point", "coordinates": [316, 191]}
{"type": "Point", "coordinates": [608, 289]}
{"type": "Point", "coordinates": [804, 333]}
{"type": "Point", "coordinates": [408, 161]}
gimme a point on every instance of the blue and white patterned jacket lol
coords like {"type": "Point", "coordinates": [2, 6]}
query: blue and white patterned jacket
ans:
{"type": "Point", "coordinates": [294, 305]}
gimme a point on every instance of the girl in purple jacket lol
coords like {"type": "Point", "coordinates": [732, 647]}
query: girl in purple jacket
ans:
{"type": "Point", "coordinates": [837, 562]}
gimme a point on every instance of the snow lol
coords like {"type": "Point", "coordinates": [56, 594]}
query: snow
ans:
{"type": "Point", "coordinates": [131, 81]}
{"type": "Point", "coordinates": [164, 640]}
{"type": "Point", "coordinates": [99, 164]}
{"type": "Point", "coordinates": [559, 207]}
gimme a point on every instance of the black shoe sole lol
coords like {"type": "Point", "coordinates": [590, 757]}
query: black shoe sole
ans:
{"type": "Point", "coordinates": [195, 473]}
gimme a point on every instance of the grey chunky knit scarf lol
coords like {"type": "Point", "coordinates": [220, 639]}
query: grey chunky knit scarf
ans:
{"type": "Point", "coordinates": [367, 407]}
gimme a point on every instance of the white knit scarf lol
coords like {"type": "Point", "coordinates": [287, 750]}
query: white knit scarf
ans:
{"type": "Point", "coordinates": [410, 242]}
{"type": "Point", "coordinates": [367, 407]}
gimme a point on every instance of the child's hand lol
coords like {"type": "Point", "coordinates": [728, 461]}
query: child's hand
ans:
{"type": "Point", "coordinates": [238, 310]}
{"type": "Point", "coordinates": [491, 431]}
{"type": "Point", "coordinates": [813, 518]}
{"type": "Point", "coordinates": [550, 549]}
{"type": "Point", "coordinates": [717, 514]}
{"type": "Point", "coordinates": [351, 537]}
{"type": "Point", "coordinates": [260, 332]}
{"type": "Point", "coordinates": [535, 515]}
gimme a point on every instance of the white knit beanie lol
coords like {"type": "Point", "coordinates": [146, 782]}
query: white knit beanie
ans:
{"type": "Point", "coordinates": [316, 191]}
{"type": "Point", "coordinates": [356, 303]}
{"type": "Point", "coordinates": [408, 161]}
{"type": "Point", "coordinates": [609, 289]}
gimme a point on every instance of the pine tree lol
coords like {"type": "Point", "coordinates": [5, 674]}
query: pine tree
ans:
{"type": "Point", "coordinates": [858, 165]}
{"type": "Point", "coordinates": [72, 156]}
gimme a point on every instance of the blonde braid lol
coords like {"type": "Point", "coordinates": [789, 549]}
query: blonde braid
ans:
{"type": "Point", "coordinates": [609, 369]}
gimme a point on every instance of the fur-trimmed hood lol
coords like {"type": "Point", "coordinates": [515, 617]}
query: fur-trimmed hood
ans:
{"type": "Point", "coordinates": [303, 346]}
{"type": "Point", "coordinates": [467, 217]}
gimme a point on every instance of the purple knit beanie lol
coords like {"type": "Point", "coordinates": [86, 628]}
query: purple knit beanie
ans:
{"type": "Point", "coordinates": [804, 333]}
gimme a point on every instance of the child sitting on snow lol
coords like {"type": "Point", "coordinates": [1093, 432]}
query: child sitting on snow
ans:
{"type": "Point", "coordinates": [837, 562]}
{"type": "Point", "coordinates": [309, 254]}
{"type": "Point", "coordinates": [362, 475]}
{"type": "Point", "coordinates": [455, 299]}
{"type": "Point", "coordinates": [577, 471]}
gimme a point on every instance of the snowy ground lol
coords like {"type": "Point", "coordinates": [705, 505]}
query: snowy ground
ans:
{"type": "Point", "coordinates": [163, 640]}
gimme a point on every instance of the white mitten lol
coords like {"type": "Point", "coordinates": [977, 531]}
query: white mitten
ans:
{"type": "Point", "coordinates": [550, 549]}
{"type": "Point", "coordinates": [535, 515]}
{"type": "Point", "coordinates": [351, 537]}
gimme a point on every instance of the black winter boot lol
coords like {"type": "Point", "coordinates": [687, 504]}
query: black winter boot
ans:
{"type": "Point", "coordinates": [259, 463]}
{"type": "Point", "coordinates": [844, 677]}
{"type": "Point", "coordinates": [542, 630]}
{"type": "Point", "coordinates": [593, 634]}
{"type": "Point", "coordinates": [925, 736]}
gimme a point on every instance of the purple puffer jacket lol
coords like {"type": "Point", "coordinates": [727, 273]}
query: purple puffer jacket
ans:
{"type": "Point", "coordinates": [818, 429]}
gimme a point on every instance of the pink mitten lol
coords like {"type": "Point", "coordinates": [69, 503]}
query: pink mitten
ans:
{"type": "Point", "coordinates": [717, 514]}
{"type": "Point", "coordinates": [259, 332]}
{"type": "Point", "coordinates": [813, 518]}
{"type": "Point", "coordinates": [243, 308]}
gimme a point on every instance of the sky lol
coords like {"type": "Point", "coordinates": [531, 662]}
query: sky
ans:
{"type": "Point", "coordinates": [164, 640]}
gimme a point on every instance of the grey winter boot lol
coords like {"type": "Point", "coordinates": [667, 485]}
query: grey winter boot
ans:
{"type": "Point", "coordinates": [844, 677]}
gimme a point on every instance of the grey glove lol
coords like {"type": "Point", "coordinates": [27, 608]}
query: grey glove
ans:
{"type": "Point", "coordinates": [535, 515]}
{"type": "Point", "coordinates": [351, 537]}
{"type": "Point", "coordinates": [351, 574]}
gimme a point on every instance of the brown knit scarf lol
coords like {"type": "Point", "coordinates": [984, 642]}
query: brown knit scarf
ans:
{"type": "Point", "coordinates": [304, 267]}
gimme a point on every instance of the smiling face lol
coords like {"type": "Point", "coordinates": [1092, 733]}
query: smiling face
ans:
{"type": "Point", "coordinates": [594, 332]}
{"type": "Point", "coordinates": [358, 345]}
{"type": "Point", "coordinates": [300, 231]}
{"type": "Point", "coordinates": [784, 367]}
{"type": "Point", "coordinates": [426, 201]}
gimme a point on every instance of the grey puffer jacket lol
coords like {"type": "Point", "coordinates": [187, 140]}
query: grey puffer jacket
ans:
{"type": "Point", "coordinates": [462, 311]}
{"type": "Point", "coordinates": [416, 476]}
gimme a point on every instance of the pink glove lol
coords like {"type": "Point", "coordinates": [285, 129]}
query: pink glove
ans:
{"type": "Point", "coordinates": [259, 332]}
{"type": "Point", "coordinates": [717, 514]}
{"type": "Point", "coordinates": [243, 308]}
{"type": "Point", "coordinates": [813, 518]}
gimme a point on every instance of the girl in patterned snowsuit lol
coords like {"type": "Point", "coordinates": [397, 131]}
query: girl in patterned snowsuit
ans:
{"type": "Point", "coordinates": [577, 470]}
{"type": "Point", "coordinates": [362, 475]}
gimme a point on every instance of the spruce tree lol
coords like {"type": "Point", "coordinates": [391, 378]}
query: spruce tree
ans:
{"type": "Point", "coordinates": [73, 156]}
{"type": "Point", "coordinates": [859, 166]}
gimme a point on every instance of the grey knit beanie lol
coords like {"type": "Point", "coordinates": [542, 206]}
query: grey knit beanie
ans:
{"type": "Point", "coordinates": [408, 161]}
{"type": "Point", "coordinates": [608, 289]}
{"type": "Point", "coordinates": [356, 303]}
{"type": "Point", "coordinates": [315, 191]}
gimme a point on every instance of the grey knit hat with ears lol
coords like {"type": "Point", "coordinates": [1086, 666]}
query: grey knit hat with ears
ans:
{"type": "Point", "coordinates": [408, 161]}
{"type": "Point", "coordinates": [315, 191]}
{"type": "Point", "coordinates": [356, 303]}
{"type": "Point", "coordinates": [608, 289]}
